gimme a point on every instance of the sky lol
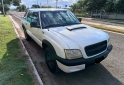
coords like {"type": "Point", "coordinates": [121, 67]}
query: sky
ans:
{"type": "Point", "coordinates": [61, 3]}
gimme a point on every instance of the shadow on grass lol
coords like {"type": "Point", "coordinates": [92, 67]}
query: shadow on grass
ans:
{"type": "Point", "coordinates": [13, 49]}
{"type": "Point", "coordinates": [13, 69]}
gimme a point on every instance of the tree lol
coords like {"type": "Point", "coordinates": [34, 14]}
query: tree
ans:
{"type": "Point", "coordinates": [16, 2]}
{"type": "Point", "coordinates": [103, 5]}
{"type": "Point", "coordinates": [120, 6]}
{"type": "Point", "coordinates": [88, 5]}
{"type": "Point", "coordinates": [7, 4]}
{"type": "Point", "coordinates": [21, 8]}
{"type": "Point", "coordinates": [94, 4]}
{"type": "Point", "coordinates": [73, 7]}
{"type": "Point", "coordinates": [46, 6]}
{"type": "Point", "coordinates": [110, 6]}
{"type": "Point", "coordinates": [35, 6]}
{"type": "Point", "coordinates": [6, 8]}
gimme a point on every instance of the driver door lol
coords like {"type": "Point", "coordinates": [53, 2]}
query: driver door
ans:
{"type": "Point", "coordinates": [36, 30]}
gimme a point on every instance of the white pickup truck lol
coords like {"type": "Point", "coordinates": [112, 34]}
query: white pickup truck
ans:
{"type": "Point", "coordinates": [69, 45]}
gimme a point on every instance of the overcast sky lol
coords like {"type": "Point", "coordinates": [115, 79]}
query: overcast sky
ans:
{"type": "Point", "coordinates": [61, 3]}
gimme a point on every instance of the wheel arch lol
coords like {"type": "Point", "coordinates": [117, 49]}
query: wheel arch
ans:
{"type": "Point", "coordinates": [46, 44]}
{"type": "Point", "coordinates": [23, 27]}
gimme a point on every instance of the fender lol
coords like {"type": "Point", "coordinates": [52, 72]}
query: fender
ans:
{"type": "Point", "coordinates": [23, 27]}
{"type": "Point", "coordinates": [46, 43]}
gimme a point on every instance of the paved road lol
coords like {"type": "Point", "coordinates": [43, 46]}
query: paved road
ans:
{"type": "Point", "coordinates": [119, 23]}
{"type": "Point", "coordinates": [109, 72]}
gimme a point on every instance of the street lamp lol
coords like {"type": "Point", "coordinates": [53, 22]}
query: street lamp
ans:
{"type": "Point", "coordinates": [3, 8]}
{"type": "Point", "coordinates": [47, 3]}
{"type": "Point", "coordinates": [56, 3]}
{"type": "Point", "coordinates": [37, 3]}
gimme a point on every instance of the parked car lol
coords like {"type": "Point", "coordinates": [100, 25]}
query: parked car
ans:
{"type": "Point", "coordinates": [69, 45]}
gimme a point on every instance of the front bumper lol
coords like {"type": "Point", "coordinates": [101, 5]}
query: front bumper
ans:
{"type": "Point", "coordinates": [81, 61]}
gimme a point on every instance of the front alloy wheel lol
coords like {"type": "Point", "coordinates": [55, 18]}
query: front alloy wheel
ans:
{"type": "Point", "coordinates": [50, 60]}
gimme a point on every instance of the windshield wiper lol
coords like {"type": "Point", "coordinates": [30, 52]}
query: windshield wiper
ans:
{"type": "Point", "coordinates": [65, 24]}
{"type": "Point", "coordinates": [53, 25]}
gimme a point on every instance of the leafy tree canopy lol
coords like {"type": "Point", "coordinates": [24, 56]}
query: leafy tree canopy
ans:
{"type": "Point", "coordinates": [15, 2]}
{"type": "Point", "coordinates": [21, 8]}
{"type": "Point", "coordinates": [104, 5]}
{"type": "Point", "coordinates": [46, 6]}
{"type": "Point", "coordinates": [7, 3]}
{"type": "Point", "coordinates": [35, 6]}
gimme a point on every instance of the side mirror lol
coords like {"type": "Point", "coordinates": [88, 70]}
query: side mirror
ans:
{"type": "Point", "coordinates": [23, 17]}
{"type": "Point", "coordinates": [33, 24]}
{"type": "Point", "coordinates": [80, 19]}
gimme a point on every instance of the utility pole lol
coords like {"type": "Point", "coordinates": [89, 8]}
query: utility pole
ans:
{"type": "Point", "coordinates": [47, 3]}
{"type": "Point", "coordinates": [37, 3]}
{"type": "Point", "coordinates": [56, 3]}
{"type": "Point", "coordinates": [3, 8]}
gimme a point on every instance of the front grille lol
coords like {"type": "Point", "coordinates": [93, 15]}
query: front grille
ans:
{"type": "Point", "coordinates": [96, 48]}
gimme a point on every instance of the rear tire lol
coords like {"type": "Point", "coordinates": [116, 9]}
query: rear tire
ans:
{"type": "Point", "coordinates": [51, 61]}
{"type": "Point", "coordinates": [27, 37]}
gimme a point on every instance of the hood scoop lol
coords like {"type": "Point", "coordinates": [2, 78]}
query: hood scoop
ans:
{"type": "Point", "coordinates": [74, 28]}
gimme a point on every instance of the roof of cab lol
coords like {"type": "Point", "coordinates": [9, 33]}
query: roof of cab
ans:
{"type": "Point", "coordinates": [46, 9]}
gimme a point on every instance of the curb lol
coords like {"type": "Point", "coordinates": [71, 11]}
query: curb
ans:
{"type": "Point", "coordinates": [106, 28]}
{"type": "Point", "coordinates": [29, 58]}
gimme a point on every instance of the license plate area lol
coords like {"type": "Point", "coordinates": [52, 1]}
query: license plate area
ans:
{"type": "Point", "coordinates": [98, 60]}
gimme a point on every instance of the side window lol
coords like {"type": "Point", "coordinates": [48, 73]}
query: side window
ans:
{"type": "Point", "coordinates": [35, 18]}
{"type": "Point", "coordinates": [29, 15]}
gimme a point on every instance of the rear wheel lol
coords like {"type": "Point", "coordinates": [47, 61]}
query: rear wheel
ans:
{"type": "Point", "coordinates": [27, 37]}
{"type": "Point", "coordinates": [51, 61]}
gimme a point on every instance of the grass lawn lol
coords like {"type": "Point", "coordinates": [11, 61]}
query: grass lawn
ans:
{"type": "Point", "coordinates": [13, 69]}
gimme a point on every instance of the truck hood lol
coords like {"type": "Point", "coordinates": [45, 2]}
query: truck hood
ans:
{"type": "Point", "coordinates": [80, 34]}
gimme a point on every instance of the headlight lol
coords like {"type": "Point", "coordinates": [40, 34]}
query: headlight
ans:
{"type": "Point", "coordinates": [73, 53]}
{"type": "Point", "coordinates": [109, 42]}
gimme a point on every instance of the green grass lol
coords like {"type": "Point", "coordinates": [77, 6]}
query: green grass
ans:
{"type": "Point", "coordinates": [13, 69]}
{"type": "Point", "coordinates": [81, 15]}
{"type": "Point", "coordinates": [106, 28]}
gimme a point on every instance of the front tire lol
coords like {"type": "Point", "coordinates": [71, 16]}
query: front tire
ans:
{"type": "Point", "coordinates": [51, 61]}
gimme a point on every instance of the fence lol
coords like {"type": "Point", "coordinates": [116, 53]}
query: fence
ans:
{"type": "Point", "coordinates": [108, 15]}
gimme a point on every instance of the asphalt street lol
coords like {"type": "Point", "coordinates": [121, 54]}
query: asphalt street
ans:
{"type": "Point", "coordinates": [119, 23]}
{"type": "Point", "coordinates": [109, 72]}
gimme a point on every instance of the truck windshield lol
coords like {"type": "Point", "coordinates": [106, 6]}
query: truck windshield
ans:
{"type": "Point", "coordinates": [57, 18]}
